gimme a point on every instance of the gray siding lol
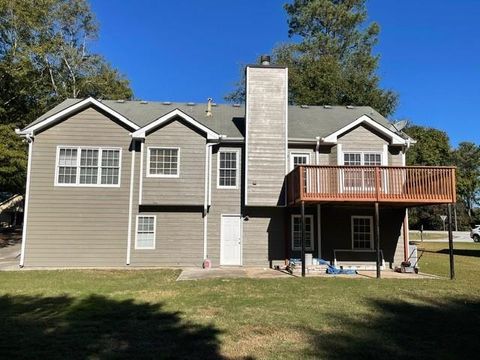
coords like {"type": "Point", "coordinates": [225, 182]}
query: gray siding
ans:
{"type": "Point", "coordinates": [337, 233]}
{"type": "Point", "coordinates": [264, 236]}
{"type": "Point", "coordinates": [77, 226]}
{"type": "Point", "coordinates": [266, 135]}
{"type": "Point", "coordinates": [224, 201]}
{"type": "Point", "coordinates": [189, 187]}
{"type": "Point", "coordinates": [179, 239]}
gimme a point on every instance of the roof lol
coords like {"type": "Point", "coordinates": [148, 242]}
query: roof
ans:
{"type": "Point", "coordinates": [305, 122]}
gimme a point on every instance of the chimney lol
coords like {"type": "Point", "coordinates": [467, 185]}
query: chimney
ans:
{"type": "Point", "coordinates": [266, 119]}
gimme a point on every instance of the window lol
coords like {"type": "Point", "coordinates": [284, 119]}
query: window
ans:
{"type": "Point", "coordinates": [145, 236]}
{"type": "Point", "coordinates": [163, 162]}
{"type": "Point", "coordinates": [228, 168]}
{"type": "Point", "coordinates": [360, 179]}
{"type": "Point", "coordinates": [88, 166]}
{"type": "Point", "coordinates": [362, 235]}
{"type": "Point", "coordinates": [297, 232]}
{"type": "Point", "coordinates": [297, 159]}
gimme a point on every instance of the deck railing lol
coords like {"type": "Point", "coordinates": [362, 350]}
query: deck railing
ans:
{"type": "Point", "coordinates": [402, 184]}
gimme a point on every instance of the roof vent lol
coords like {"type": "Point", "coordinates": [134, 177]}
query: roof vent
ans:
{"type": "Point", "coordinates": [304, 106]}
{"type": "Point", "coordinates": [143, 102]}
{"type": "Point", "coordinates": [190, 104]}
{"type": "Point", "coordinates": [265, 60]}
{"type": "Point", "coordinates": [350, 107]}
{"type": "Point", "coordinates": [120, 101]}
{"type": "Point", "coordinates": [236, 105]}
{"type": "Point", "coordinates": [167, 103]}
{"type": "Point", "coordinates": [327, 106]}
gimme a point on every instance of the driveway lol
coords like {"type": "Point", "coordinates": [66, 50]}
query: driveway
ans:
{"type": "Point", "coordinates": [10, 247]}
{"type": "Point", "coordinates": [440, 236]}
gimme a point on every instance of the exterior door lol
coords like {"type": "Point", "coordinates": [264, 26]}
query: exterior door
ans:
{"type": "Point", "coordinates": [231, 240]}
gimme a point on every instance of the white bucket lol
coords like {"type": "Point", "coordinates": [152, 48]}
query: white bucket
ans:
{"type": "Point", "coordinates": [308, 259]}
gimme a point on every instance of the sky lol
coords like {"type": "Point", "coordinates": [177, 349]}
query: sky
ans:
{"type": "Point", "coordinates": [190, 50]}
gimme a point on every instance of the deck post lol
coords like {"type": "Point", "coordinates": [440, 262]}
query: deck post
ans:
{"type": "Point", "coordinates": [450, 241]}
{"type": "Point", "coordinates": [377, 238]}
{"type": "Point", "coordinates": [303, 237]}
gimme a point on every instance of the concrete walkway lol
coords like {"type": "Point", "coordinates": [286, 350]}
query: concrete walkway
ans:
{"type": "Point", "coordinates": [266, 273]}
{"type": "Point", "coordinates": [10, 257]}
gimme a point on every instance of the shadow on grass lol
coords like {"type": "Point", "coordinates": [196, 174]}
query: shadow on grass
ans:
{"type": "Point", "coordinates": [461, 252]}
{"type": "Point", "coordinates": [99, 328]}
{"type": "Point", "coordinates": [397, 329]}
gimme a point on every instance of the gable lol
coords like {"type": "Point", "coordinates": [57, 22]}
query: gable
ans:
{"type": "Point", "coordinates": [53, 117]}
{"type": "Point", "coordinates": [176, 129]}
{"type": "Point", "coordinates": [362, 137]}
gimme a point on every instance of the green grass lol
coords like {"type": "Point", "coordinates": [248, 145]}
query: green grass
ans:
{"type": "Point", "coordinates": [147, 314]}
{"type": "Point", "coordinates": [415, 235]}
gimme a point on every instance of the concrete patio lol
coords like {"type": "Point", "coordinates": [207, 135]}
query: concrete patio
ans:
{"type": "Point", "coordinates": [267, 273]}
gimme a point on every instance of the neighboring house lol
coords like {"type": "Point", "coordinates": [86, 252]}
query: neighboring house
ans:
{"type": "Point", "coordinates": [114, 183]}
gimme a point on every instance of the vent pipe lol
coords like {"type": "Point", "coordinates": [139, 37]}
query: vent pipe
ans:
{"type": "Point", "coordinates": [209, 108]}
{"type": "Point", "coordinates": [265, 60]}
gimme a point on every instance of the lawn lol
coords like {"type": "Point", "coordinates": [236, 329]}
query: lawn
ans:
{"type": "Point", "coordinates": [147, 314]}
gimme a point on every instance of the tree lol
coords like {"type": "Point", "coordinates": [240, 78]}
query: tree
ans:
{"type": "Point", "coordinates": [332, 63]}
{"type": "Point", "coordinates": [44, 59]}
{"type": "Point", "coordinates": [467, 159]}
{"type": "Point", "coordinates": [432, 147]}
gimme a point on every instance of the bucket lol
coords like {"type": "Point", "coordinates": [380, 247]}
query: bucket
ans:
{"type": "Point", "coordinates": [308, 259]}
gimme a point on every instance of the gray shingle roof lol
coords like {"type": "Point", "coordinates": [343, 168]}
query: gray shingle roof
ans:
{"type": "Point", "coordinates": [304, 122]}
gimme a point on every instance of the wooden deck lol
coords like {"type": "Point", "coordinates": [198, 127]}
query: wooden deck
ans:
{"type": "Point", "coordinates": [401, 185]}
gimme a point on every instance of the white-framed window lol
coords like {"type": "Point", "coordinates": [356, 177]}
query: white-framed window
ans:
{"type": "Point", "coordinates": [88, 166]}
{"type": "Point", "coordinates": [228, 169]}
{"type": "Point", "coordinates": [360, 179]}
{"type": "Point", "coordinates": [145, 233]}
{"type": "Point", "coordinates": [297, 232]}
{"type": "Point", "coordinates": [297, 159]}
{"type": "Point", "coordinates": [163, 162]}
{"type": "Point", "coordinates": [362, 232]}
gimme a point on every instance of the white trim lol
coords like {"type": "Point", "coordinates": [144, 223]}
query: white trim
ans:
{"type": "Point", "coordinates": [177, 175]}
{"type": "Point", "coordinates": [404, 160]}
{"type": "Point", "coordinates": [237, 169]}
{"type": "Point", "coordinates": [319, 230]}
{"type": "Point", "coordinates": [247, 120]}
{"type": "Point", "coordinates": [130, 205]}
{"type": "Point", "coordinates": [384, 158]}
{"type": "Point", "coordinates": [394, 138]}
{"type": "Point", "coordinates": [371, 231]}
{"type": "Point", "coordinates": [339, 154]}
{"type": "Point", "coordinates": [241, 237]}
{"type": "Point", "coordinates": [362, 163]}
{"type": "Point", "coordinates": [73, 108]}
{"type": "Point", "coordinates": [312, 235]}
{"type": "Point", "coordinates": [99, 166]}
{"type": "Point", "coordinates": [141, 133]}
{"type": "Point", "coordinates": [154, 232]}
{"type": "Point", "coordinates": [27, 197]}
{"type": "Point", "coordinates": [140, 181]}
{"type": "Point", "coordinates": [294, 153]}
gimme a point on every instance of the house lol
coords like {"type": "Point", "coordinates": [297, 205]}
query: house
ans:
{"type": "Point", "coordinates": [116, 183]}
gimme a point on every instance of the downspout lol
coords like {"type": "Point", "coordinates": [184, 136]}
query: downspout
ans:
{"type": "Point", "coordinates": [207, 197]}
{"type": "Point", "coordinates": [130, 204]}
{"type": "Point", "coordinates": [29, 138]}
{"type": "Point", "coordinates": [319, 224]}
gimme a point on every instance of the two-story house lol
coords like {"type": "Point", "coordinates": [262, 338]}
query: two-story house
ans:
{"type": "Point", "coordinates": [115, 183]}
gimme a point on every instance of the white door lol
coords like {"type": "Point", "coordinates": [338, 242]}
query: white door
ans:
{"type": "Point", "coordinates": [231, 240]}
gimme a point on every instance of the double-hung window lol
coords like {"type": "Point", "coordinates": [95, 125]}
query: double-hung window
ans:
{"type": "Point", "coordinates": [163, 162]}
{"type": "Point", "coordinates": [297, 232]}
{"type": "Point", "coordinates": [88, 166]}
{"type": "Point", "coordinates": [362, 232]}
{"type": "Point", "coordinates": [228, 161]}
{"type": "Point", "coordinates": [360, 178]}
{"type": "Point", "coordinates": [145, 235]}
